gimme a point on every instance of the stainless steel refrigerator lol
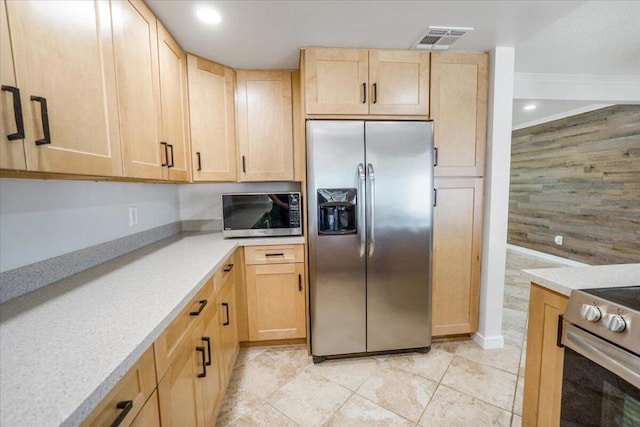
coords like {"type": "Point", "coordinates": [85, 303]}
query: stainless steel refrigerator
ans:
{"type": "Point", "coordinates": [370, 200]}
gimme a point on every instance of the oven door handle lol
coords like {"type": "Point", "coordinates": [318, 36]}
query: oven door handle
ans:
{"type": "Point", "coordinates": [614, 359]}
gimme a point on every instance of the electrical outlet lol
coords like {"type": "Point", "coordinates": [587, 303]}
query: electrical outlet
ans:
{"type": "Point", "coordinates": [133, 216]}
{"type": "Point", "coordinates": [558, 240]}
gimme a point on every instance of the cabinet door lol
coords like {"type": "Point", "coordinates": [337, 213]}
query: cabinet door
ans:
{"type": "Point", "coordinates": [543, 371]}
{"type": "Point", "coordinates": [11, 150]}
{"type": "Point", "coordinates": [459, 86]}
{"type": "Point", "coordinates": [178, 391]}
{"type": "Point", "coordinates": [265, 127]}
{"type": "Point", "coordinates": [229, 331]}
{"type": "Point", "coordinates": [276, 301]}
{"type": "Point", "coordinates": [174, 104]}
{"type": "Point", "coordinates": [149, 415]}
{"type": "Point", "coordinates": [212, 384]}
{"type": "Point", "coordinates": [211, 109]}
{"type": "Point", "coordinates": [336, 81]}
{"type": "Point", "coordinates": [399, 82]}
{"type": "Point", "coordinates": [135, 40]}
{"type": "Point", "coordinates": [63, 54]}
{"type": "Point", "coordinates": [457, 242]}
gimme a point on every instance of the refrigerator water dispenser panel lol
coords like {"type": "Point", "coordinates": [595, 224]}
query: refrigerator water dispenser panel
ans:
{"type": "Point", "coordinates": [337, 211]}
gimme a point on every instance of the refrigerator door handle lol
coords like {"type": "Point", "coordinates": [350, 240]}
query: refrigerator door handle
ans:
{"type": "Point", "coordinates": [361, 220]}
{"type": "Point", "coordinates": [372, 210]}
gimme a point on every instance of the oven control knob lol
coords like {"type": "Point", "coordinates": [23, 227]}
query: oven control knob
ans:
{"type": "Point", "coordinates": [615, 323]}
{"type": "Point", "coordinates": [590, 312]}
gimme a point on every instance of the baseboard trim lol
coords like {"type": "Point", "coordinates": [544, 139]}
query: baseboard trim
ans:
{"type": "Point", "coordinates": [488, 343]}
{"type": "Point", "coordinates": [544, 255]}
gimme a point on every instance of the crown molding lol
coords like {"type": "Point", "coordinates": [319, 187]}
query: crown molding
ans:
{"type": "Point", "coordinates": [614, 89]}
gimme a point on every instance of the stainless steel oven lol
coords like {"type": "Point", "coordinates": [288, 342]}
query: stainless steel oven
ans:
{"type": "Point", "coordinates": [601, 373]}
{"type": "Point", "coordinates": [261, 214]}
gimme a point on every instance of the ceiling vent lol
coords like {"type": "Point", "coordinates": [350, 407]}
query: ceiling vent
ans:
{"type": "Point", "coordinates": [439, 38]}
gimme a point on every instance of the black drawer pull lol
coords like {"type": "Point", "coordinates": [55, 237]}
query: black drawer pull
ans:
{"type": "Point", "coordinates": [559, 336]}
{"type": "Point", "coordinates": [228, 268]}
{"type": "Point", "coordinates": [44, 114]}
{"type": "Point", "coordinates": [199, 161]}
{"type": "Point", "coordinates": [226, 307]}
{"type": "Point", "coordinates": [125, 406]}
{"type": "Point", "coordinates": [166, 154]}
{"type": "Point", "coordinates": [204, 363]}
{"type": "Point", "coordinates": [364, 93]}
{"type": "Point", "coordinates": [375, 93]}
{"type": "Point", "coordinates": [202, 302]}
{"type": "Point", "coordinates": [274, 255]}
{"type": "Point", "coordinates": [208, 341]}
{"type": "Point", "coordinates": [300, 282]}
{"type": "Point", "coordinates": [170, 165]}
{"type": "Point", "coordinates": [435, 156]}
{"type": "Point", "coordinates": [17, 113]}
{"type": "Point", "coordinates": [435, 197]}
{"type": "Point", "coordinates": [244, 165]}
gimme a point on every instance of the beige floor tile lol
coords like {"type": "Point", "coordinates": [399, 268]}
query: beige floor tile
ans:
{"type": "Point", "coordinates": [349, 373]}
{"type": "Point", "coordinates": [309, 399]}
{"type": "Point", "coordinates": [506, 358]}
{"type": "Point", "coordinates": [360, 412]}
{"type": "Point", "coordinates": [263, 415]}
{"type": "Point", "coordinates": [482, 382]}
{"type": "Point", "coordinates": [399, 391]}
{"type": "Point", "coordinates": [450, 408]}
{"type": "Point", "coordinates": [236, 404]}
{"type": "Point", "coordinates": [431, 365]}
{"type": "Point", "coordinates": [246, 354]}
{"type": "Point", "coordinates": [517, 403]}
{"type": "Point", "coordinates": [516, 421]}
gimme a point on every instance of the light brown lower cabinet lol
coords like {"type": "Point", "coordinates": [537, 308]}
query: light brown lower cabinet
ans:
{"type": "Point", "coordinates": [457, 243]}
{"type": "Point", "coordinates": [149, 415]}
{"type": "Point", "coordinates": [543, 370]}
{"type": "Point", "coordinates": [228, 327]}
{"type": "Point", "coordinates": [275, 292]}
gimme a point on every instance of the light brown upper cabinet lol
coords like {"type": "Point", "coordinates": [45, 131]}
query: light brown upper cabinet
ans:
{"type": "Point", "coordinates": [265, 128]}
{"type": "Point", "coordinates": [63, 55]}
{"type": "Point", "coordinates": [459, 87]}
{"type": "Point", "coordinates": [360, 81]}
{"type": "Point", "coordinates": [136, 52]}
{"type": "Point", "coordinates": [457, 241]}
{"type": "Point", "coordinates": [174, 106]}
{"type": "Point", "coordinates": [212, 113]}
{"type": "Point", "coordinates": [11, 119]}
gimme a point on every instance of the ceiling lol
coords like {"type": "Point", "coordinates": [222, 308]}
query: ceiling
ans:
{"type": "Point", "coordinates": [548, 110]}
{"type": "Point", "coordinates": [552, 37]}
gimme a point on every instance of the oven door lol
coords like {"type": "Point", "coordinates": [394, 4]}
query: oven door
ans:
{"type": "Point", "coordinates": [600, 382]}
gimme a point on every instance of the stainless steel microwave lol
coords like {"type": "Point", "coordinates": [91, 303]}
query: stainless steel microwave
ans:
{"type": "Point", "coordinates": [261, 214]}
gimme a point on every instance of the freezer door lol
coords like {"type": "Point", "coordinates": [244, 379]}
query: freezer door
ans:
{"type": "Point", "coordinates": [399, 158]}
{"type": "Point", "coordinates": [335, 166]}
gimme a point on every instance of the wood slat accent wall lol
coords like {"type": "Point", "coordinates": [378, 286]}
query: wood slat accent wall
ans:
{"type": "Point", "coordinates": [579, 177]}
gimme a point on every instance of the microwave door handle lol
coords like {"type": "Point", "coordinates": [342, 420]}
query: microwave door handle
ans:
{"type": "Point", "coordinates": [361, 219]}
{"type": "Point", "coordinates": [372, 209]}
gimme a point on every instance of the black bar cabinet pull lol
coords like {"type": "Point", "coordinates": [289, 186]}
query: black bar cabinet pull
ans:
{"type": "Point", "coordinates": [364, 93]}
{"type": "Point", "coordinates": [199, 163]}
{"type": "Point", "coordinates": [208, 341]}
{"type": "Point", "coordinates": [276, 254]}
{"type": "Point", "coordinates": [375, 93]}
{"type": "Point", "coordinates": [166, 154]}
{"type": "Point", "coordinates": [204, 363]}
{"type": "Point", "coordinates": [559, 337]}
{"type": "Point", "coordinates": [171, 149]}
{"type": "Point", "coordinates": [435, 156]}
{"type": "Point", "coordinates": [202, 302]}
{"type": "Point", "coordinates": [300, 282]}
{"type": "Point", "coordinates": [228, 268]}
{"type": "Point", "coordinates": [17, 113]}
{"type": "Point", "coordinates": [44, 114]}
{"type": "Point", "coordinates": [125, 406]}
{"type": "Point", "coordinates": [226, 307]}
{"type": "Point", "coordinates": [244, 165]}
{"type": "Point", "coordinates": [435, 197]}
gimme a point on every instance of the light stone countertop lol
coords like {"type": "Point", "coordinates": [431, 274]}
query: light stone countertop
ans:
{"type": "Point", "coordinates": [64, 346]}
{"type": "Point", "coordinates": [563, 280]}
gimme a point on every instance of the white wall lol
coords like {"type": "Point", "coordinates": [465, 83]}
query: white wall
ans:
{"type": "Point", "coordinates": [203, 201]}
{"type": "Point", "coordinates": [40, 219]}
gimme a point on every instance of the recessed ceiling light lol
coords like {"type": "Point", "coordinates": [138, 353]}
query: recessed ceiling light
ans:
{"type": "Point", "coordinates": [208, 16]}
{"type": "Point", "coordinates": [529, 107]}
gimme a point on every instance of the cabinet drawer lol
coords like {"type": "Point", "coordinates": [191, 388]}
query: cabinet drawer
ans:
{"type": "Point", "coordinates": [225, 272]}
{"type": "Point", "coordinates": [169, 343]}
{"type": "Point", "coordinates": [273, 254]}
{"type": "Point", "coordinates": [134, 388]}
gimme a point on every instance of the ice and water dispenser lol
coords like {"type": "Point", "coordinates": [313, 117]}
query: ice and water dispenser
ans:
{"type": "Point", "coordinates": [337, 211]}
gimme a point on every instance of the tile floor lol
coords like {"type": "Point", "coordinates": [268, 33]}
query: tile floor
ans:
{"type": "Point", "coordinates": [456, 384]}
